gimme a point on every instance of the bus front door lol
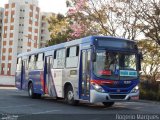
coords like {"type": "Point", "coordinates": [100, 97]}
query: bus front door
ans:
{"type": "Point", "coordinates": [49, 83]}
{"type": "Point", "coordinates": [85, 76]}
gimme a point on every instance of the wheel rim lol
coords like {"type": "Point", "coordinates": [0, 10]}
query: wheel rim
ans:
{"type": "Point", "coordinates": [70, 95]}
{"type": "Point", "coordinates": [30, 91]}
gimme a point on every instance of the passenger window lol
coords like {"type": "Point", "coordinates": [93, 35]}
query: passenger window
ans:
{"type": "Point", "coordinates": [25, 64]}
{"type": "Point", "coordinates": [19, 64]}
{"type": "Point", "coordinates": [51, 61]}
{"type": "Point", "coordinates": [59, 58]}
{"type": "Point", "coordinates": [32, 62]}
{"type": "Point", "coordinates": [40, 61]}
{"type": "Point", "coordinates": [72, 57]}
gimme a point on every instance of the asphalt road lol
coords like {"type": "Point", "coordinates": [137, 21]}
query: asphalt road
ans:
{"type": "Point", "coordinates": [16, 105]}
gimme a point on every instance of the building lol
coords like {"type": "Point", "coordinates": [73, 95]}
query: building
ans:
{"type": "Point", "coordinates": [1, 24]}
{"type": "Point", "coordinates": [44, 32]}
{"type": "Point", "coordinates": [20, 32]}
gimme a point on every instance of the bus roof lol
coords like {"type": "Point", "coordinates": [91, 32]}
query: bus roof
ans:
{"type": "Point", "coordinates": [69, 43]}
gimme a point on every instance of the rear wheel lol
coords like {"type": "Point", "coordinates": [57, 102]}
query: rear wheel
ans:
{"type": "Point", "coordinates": [31, 91]}
{"type": "Point", "coordinates": [108, 104]}
{"type": "Point", "coordinates": [69, 96]}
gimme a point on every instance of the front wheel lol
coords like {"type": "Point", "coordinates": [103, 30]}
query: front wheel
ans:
{"type": "Point", "coordinates": [108, 104]}
{"type": "Point", "coordinates": [69, 96]}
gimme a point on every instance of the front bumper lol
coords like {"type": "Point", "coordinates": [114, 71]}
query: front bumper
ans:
{"type": "Point", "coordinates": [107, 97]}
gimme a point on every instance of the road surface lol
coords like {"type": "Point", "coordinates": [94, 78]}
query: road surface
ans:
{"type": "Point", "coordinates": [16, 105]}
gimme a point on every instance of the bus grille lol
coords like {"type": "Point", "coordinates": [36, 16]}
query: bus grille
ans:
{"type": "Point", "coordinates": [117, 96]}
{"type": "Point", "coordinates": [118, 86]}
{"type": "Point", "coordinates": [121, 91]}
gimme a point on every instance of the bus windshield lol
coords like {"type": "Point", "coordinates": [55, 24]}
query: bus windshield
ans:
{"type": "Point", "coordinates": [115, 65]}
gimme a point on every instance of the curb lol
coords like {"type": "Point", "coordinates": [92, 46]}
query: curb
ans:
{"type": "Point", "coordinates": [7, 85]}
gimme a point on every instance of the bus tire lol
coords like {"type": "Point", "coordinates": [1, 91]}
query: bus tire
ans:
{"type": "Point", "coordinates": [69, 96]}
{"type": "Point", "coordinates": [31, 91]}
{"type": "Point", "coordinates": [108, 104]}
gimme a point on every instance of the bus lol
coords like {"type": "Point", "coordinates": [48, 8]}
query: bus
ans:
{"type": "Point", "coordinates": [93, 69]}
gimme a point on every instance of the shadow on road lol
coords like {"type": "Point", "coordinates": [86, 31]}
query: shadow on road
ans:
{"type": "Point", "coordinates": [81, 105]}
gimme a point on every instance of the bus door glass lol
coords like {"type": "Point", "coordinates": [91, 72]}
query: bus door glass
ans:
{"type": "Point", "coordinates": [49, 77]}
{"type": "Point", "coordinates": [19, 73]}
{"type": "Point", "coordinates": [23, 74]}
{"type": "Point", "coordinates": [85, 77]}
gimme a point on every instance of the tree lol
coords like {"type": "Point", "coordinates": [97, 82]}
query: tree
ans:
{"type": "Point", "coordinates": [149, 15]}
{"type": "Point", "coordinates": [132, 19]}
{"type": "Point", "coordinates": [151, 59]}
{"type": "Point", "coordinates": [59, 29]}
{"type": "Point", "coordinates": [80, 23]}
{"type": "Point", "coordinates": [105, 17]}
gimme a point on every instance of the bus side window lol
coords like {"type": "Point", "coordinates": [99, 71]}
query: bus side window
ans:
{"type": "Point", "coordinates": [55, 54]}
{"type": "Point", "coordinates": [68, 51]}
{"type": "Point", "coordinates": [29, 59]}
{"type": "Point", "coordinates": [32, 62]}
{"type": "Point", "coordinates": [55, 61]}
{"type": "Point", "coordinates": [77, 51]}
{"type": "Point", "coordinates": [26, 64]}
{"type": "Point", "coordinates": [19, 64]}
{"type": "Point", "coordinates": [40, 61]}
{"type": "Point", "coordinates": [72, 57]}
{"type": "Point", "coordinates": [59, 58]}
{"type": "Point", "coordinates": [29, 63]}
{"type": "Point", "coordinates": [51, 62]}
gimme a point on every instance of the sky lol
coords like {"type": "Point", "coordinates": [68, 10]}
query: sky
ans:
{"type": "Point", "coordinates": [56, 6]}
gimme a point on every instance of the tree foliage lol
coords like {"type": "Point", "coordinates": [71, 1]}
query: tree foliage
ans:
{"type": "Point", "coordinates": [149, 15]}
{"type": "Point", "coordinates": [131, 19]}
{"type": "Point", "coordinates": [151, 59]}
{"type": "Point", "coordinates": [59, 29]}
{"type": "Point", "coordinates": [106, 17]}
{"type": "Point", "coordinates": [124, 18]}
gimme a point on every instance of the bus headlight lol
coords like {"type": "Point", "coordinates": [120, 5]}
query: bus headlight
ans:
{"type": "Point", "coordinates": [98, 87]}
{"type": "Point", "coordinates": [135, 89]}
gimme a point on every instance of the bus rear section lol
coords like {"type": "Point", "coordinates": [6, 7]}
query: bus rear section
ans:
{"type": "Point", "coordinates": [30, 74]}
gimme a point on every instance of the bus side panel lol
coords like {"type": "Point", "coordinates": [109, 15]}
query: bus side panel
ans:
{"type": "Point", "coordinates": [72, 76]}
{"type": "Point", "coordinates": [60, 77]}
{"type": "Point", "coordinates": [18, 79]}
{"type": "Point", "coordinates": [24, 81]}
{"type": "Point", "coordinates": [57, 77]}
{"type": "Point", "coordinates": [38, 82]}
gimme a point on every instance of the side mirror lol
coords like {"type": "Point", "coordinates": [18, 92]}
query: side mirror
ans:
{"type": "Point", "coordinates": [93, 54]}
{"type": "Point", "coordinates": [94, 57]}
{"type": "Point", "coordinates": [139, 57]}
{"type": "Point", "coordinates": [17, 60]}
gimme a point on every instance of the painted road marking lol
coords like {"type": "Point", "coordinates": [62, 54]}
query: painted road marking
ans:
{"type": "Point", "coordinates": [43, 112]}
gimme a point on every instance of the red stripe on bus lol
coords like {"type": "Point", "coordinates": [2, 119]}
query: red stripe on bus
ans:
{"type": "Point", "coordinates": [100, 82]}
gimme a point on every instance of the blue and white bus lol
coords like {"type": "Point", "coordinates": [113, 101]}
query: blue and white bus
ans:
{"type": "Point", "coordinates": [94, 69]}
